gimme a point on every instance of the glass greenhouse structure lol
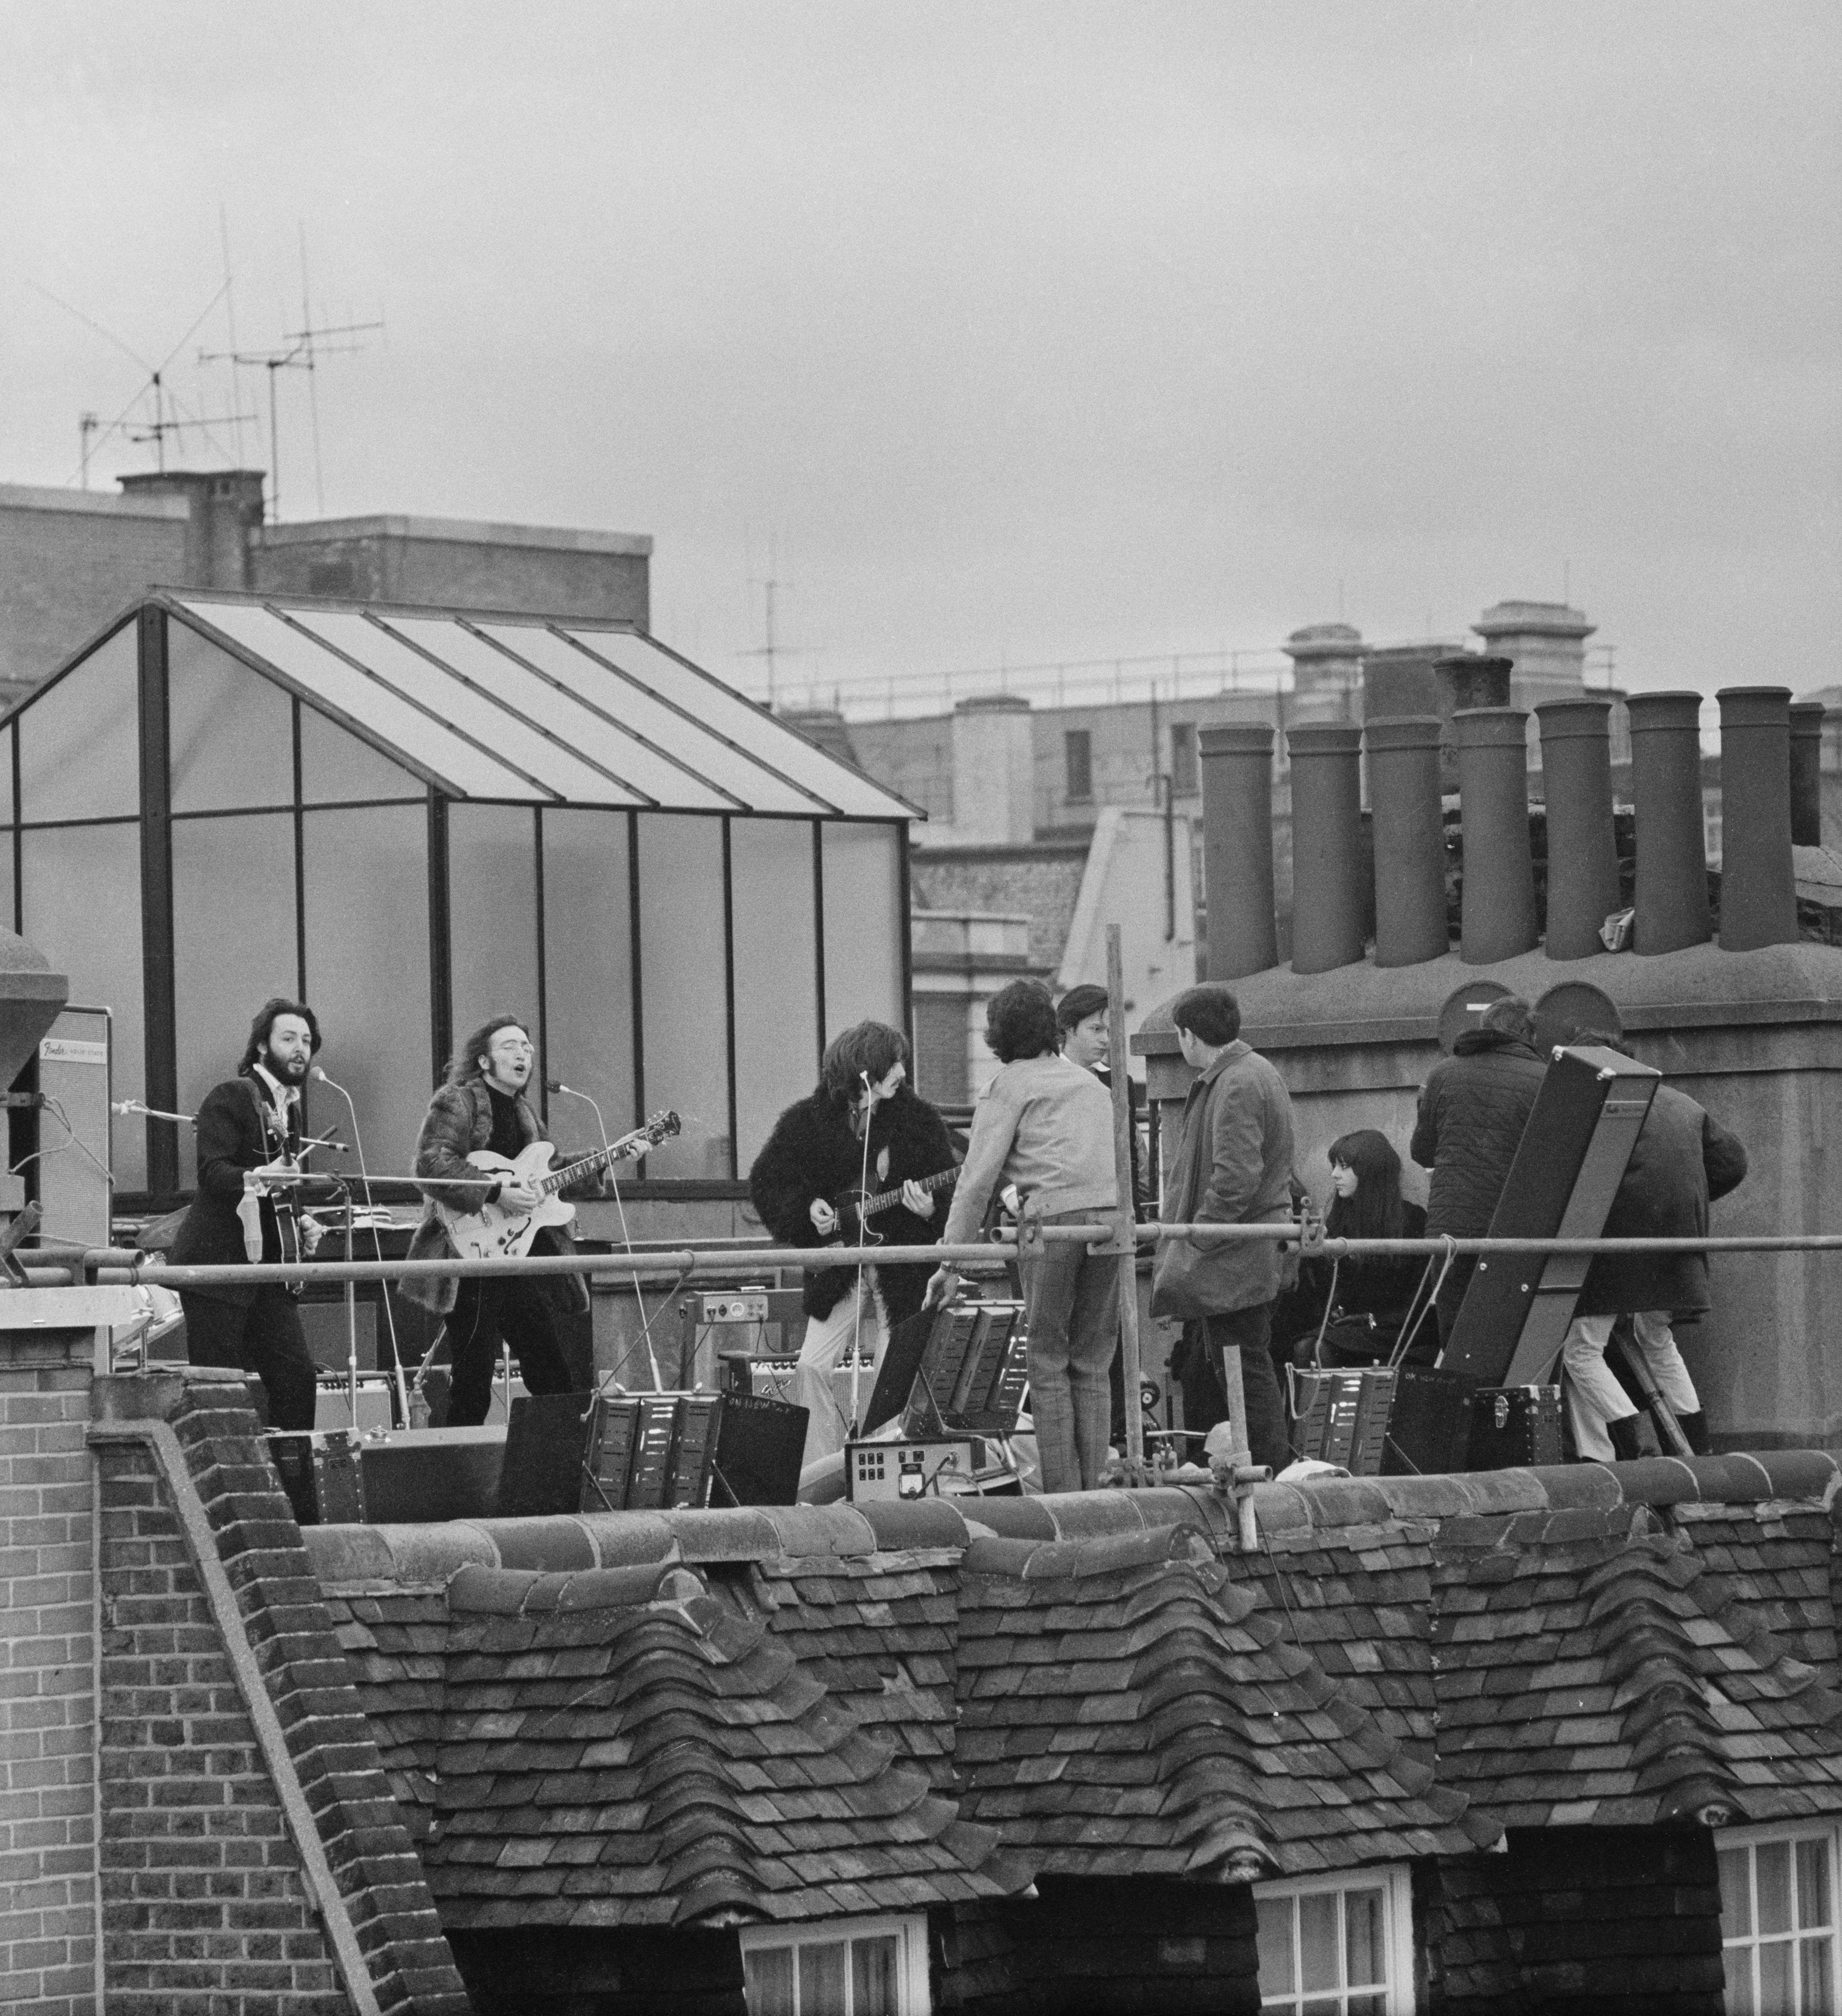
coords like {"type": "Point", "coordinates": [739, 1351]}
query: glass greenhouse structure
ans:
{"type": "Point", "coordinates": [416, 819]}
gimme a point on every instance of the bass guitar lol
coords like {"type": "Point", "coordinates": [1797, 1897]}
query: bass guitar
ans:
{"type": "Point", "coordinates": [859, 1207]}
{"type": "Point", "coordinates": [497, 1232]}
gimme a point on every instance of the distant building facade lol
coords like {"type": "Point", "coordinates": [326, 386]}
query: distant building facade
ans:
{"type": "Point", "coordinates": [70, 559]}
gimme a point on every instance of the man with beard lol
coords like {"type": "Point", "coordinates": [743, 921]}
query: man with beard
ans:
{"type": "Point", "coordinates": [244, 1125]}
{"type": "Point", "coordinates": [482, 1105]}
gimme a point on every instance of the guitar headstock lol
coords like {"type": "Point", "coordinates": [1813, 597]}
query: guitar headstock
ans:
{"type": "Point", "coordinates": [662, 1126]}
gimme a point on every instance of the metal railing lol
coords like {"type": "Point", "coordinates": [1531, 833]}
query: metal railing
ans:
{"type": "Point", "coordinates": [112, 1266]}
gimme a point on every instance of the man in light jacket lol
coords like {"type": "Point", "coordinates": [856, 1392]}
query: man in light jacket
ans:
{"type": "Point", "coordinates": [1045, 1124]}
{"type": "Point", "coordinates": [1232, 1166]}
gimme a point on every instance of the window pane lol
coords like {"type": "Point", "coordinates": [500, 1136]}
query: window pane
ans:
{"type": "Point", "coordinates": [822, 1979]}
{"type": "Point", "coordinates": [492, 917]}
{"type": "Point", "coordinates": [769, 1982]}
{"type": "Point", "coordinates": [6, 777]}
{"type": "Point", "coordinates": [1774, 1977]}
{"type": "Point", "coordinates": [1736, 1893]}
{"type": "Point", "coordinates": [1318, 1955]}
{"type": "Point", "coordinates": [588, 966]}
{"type": "Point", "coordinates": [1774, 1862]}
{"type": "Point", "coordinates": [1273, 1916]}
{"type": "Point", "coordinates": [1813, 1883]}
{"type": "Point", "coordinates": [334, 765]}
{"type": "Point", "coordinates": [1364, 1953]}
{"type": "Point", "coordinates": [1740, 1999]}
{"type": "Point", "coordinates": [368, 969]}
{"type": "Point", "coordinates": [1326, 2005]}
{"type": "Point", "coordinates": [80, 741]}
{"type": "Point", "coordinates": [1367, 2005]}
{"type": "Point", "coordinates": [226, 870]}
{"type": "Point", "coordinates": [683, 990]}
{"type": "Point", "coordinates": [776, 974]}
{"type": "Point", "coordinates": [873, 1987]}
{"type": "Point", "coordinates": [230, 732]}
{"type": "Point", "coordinates": [862, 926]}
{"type": "Point", "coordinates": [1819, 1965]}
{"type": "Point", "coordinates": [81, 889]}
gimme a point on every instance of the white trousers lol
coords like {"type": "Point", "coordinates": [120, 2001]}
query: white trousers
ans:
{"type": "Point", "coordinates": [857, 1316]}
{"type": "Point", "coordinates": [1594, 1395]}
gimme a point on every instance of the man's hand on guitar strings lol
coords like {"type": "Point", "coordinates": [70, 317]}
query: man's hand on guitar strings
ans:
{"type": "Point", "coordinates": [824, 1220]}
{"type": "Point", "coordinates": [917, 1199]}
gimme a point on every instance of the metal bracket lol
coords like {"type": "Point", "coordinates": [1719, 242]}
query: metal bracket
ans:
{"type": "Point", "coordinates": [22, 1228]}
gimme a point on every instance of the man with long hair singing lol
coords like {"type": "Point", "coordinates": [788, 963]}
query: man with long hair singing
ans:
{"type": "Point", "coordinates": [482, 1105]}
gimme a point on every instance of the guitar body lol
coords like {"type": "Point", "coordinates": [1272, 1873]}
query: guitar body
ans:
{"type": "Point", "coordinates": [493, 1232]}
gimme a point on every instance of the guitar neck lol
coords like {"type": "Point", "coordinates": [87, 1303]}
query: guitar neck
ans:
{"type": "Point", "coordinates": [881, 1202]}
{"type": "Point", "coordinates": [624, 1150]}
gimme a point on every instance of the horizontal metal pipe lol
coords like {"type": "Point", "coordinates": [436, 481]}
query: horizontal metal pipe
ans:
{"type": "Point", "coordinates": [692, 1263]}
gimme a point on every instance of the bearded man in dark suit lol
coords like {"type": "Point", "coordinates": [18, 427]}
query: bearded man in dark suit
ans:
{"type": "Point", "coordinates": [244, 1125]}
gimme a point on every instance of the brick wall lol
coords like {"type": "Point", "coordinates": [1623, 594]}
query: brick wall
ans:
{"type": "Point", "coordinates": [206, 1906]}
{"type": "Point", "coordinates": [47, 1698]}
{"type": "Point", "coordinates": [203, 1893]}
{"type": "Point", "coordinates": [64, 573]}
{"type": "Point", "coordinates": [1622, 1920]}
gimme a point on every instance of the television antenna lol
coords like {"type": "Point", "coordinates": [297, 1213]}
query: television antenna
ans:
{"type": "Point", "coordinates": [299, 350]}
{"type": "Point", "coordinates": [161, 425]}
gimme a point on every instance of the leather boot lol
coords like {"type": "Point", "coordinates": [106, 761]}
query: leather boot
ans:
{"type": "Point", "coordinates": [1694, 1428]}
{"type": "Point", "coordinates": [1626, 1445]}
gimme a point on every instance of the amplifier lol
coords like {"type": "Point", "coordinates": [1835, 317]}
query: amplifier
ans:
{"type": "Point", "coordinates": [332, 1405]}
{"type": "Point", "coordinates": [921, 1468]}
{"type": "Point", "coordinates": [422, 1476]}
{"type": "Point", "coordinates": [650, 1451]}
{"type": "Point", "coordinates": [1342, 1417]}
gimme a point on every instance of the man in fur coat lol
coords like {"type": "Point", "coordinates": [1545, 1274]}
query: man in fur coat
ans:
{"type": "Point", "coordinates": [483, 1105]}
{"type": "Point", "coordinates": [863, 1126]}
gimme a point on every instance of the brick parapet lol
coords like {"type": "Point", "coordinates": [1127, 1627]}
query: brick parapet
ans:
{"type": "Point", "coordinates": [293, 1654]}
{"type": "Point", "coordinates": [48, 1802]}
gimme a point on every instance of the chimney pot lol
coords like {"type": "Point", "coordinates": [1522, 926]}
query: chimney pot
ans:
{"type": "Point", "coordinates": [1582, 850]}
{"type": "Point", "coordinates": [1807, 720]}
{"type": "Point", "coordinates": [1237, 768]}
{"type": "Point", "coordinates": [1410, 922]}
{"type": "Point", "coordinates": [1497, 916]}
{"type": "Point", "coordinates": [1328, 923]}
{"type": "Point", "coordinates": [1672, 894]}
{"type": "Point", "coordinates": [1758, 891]}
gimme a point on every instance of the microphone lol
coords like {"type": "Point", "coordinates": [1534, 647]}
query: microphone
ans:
{"type": "Point", "coordinates": [150, 1112]}
{"type": "Point", "coordinates": [570, 1092]}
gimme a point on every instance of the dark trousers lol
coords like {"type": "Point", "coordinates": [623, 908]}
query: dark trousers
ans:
{"type": "Point", "coordinates": [1249, 1332]}
{"type": "Point", "coordinates": [263, 1337]}
{"type": "Point", "coordinates": [1071, 1317]}
{"type": "Point", "coordinates": [487, 1307]}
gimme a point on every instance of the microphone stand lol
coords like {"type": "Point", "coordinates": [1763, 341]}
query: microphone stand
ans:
{"type": "Point", "coordinates": [351, 1254]}
{"type": "Point", "coordinates": [645, 1321]}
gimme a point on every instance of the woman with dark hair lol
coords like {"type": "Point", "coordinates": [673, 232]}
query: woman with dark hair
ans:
{"type": "Point", "coordinates": [863, 1123]}
{"type": "Point", "coordinates": [1360, 1305]}
{"type": "Point", "coordinates": [1045, 1125]}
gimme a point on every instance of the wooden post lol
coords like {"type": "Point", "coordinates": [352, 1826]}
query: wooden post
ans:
{"type": "Point", "coordinates": [1126, 1237]}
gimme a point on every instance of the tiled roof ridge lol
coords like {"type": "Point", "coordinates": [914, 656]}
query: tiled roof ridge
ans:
{"type": "Point", "coordinates": [1636, 1598]}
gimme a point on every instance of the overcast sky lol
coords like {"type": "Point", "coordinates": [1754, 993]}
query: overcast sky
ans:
{"type": "Point", "coordinates": [1002, 332]}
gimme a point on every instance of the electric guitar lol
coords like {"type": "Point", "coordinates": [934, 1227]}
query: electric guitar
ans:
{"type": "Point", "coordinates": [860, 1207]}
{"type": "Point", "coordinates": [497, 1232]}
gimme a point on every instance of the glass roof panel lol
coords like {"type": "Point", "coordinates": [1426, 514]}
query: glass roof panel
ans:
{"type": "Point", "coordinates": [727, 713]}
{"type": "Point", "coordinates": [474, 713]}
{"type": "Point", "coordinates": [759, 790]}
{"type": "Point", "coordinates": [369, 702]}
{"type": "Point", "coordinates": [677, 787]}
{"type": "Point", "coordinates": [593, 741]}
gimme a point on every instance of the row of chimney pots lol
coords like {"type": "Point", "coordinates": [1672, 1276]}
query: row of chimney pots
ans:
{"type": "Point", "coordinates": [1770, 758]}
